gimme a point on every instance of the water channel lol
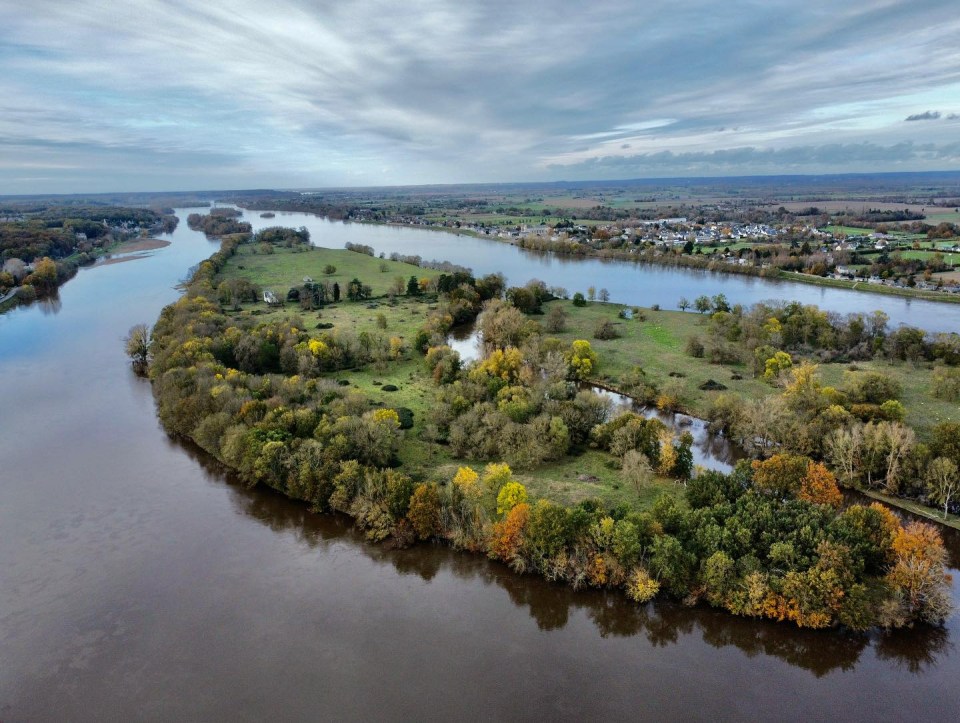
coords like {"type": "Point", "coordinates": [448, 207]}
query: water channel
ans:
{"type": "Point", "coordinates": [139, 581]}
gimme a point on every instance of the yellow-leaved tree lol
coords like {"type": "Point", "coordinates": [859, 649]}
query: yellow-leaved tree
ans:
{"type": "Point", "coordinates": [583, 359]}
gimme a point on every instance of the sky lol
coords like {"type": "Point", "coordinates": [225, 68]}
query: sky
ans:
{"type": "Point", "coordinates": [99, 96]}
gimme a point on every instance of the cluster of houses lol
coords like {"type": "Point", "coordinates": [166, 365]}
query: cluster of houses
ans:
{"type": "Point", "coordinates": [680, 231]}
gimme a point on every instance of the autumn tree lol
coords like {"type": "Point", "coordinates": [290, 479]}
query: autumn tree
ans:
{"type": "Point", "coordinates": [820, 486]}
{"type": "Point", "coordinates": [781, 476]}
{"type": "Point", "coordinates": [583, 359]}
{"type": "Point", "coordinates": [138, 347]}
{"type": "Point", "coordinates": [918, 573]}
{"type": "Point", "coordinates": [424, 512]}
{"type": "Point", "coordinates": [509, 496]}
{"type": "Point", "coordinates": [507, 536]}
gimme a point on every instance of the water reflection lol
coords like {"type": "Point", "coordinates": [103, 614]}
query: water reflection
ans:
{"type": "Point", "coordinates": [552, 606]}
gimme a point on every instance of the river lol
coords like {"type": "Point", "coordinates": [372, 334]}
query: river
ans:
{"type": "Point", "coordinates": [138, 581]}
{"type": "Point", "coordinates": [628, 283]}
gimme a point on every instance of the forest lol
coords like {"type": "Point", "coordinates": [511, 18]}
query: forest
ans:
{"type": "Point", "coordinates": [41, 246]}
{"type": "Point", "coordinates": [270, 398]}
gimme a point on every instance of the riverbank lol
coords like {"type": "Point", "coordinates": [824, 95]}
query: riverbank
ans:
{"type": "Point", "coordinates": [915, 508]}
{"type": "Point", "coordinates": [941, 297]}
{"type": "Point", "coordinates": [719, 266]}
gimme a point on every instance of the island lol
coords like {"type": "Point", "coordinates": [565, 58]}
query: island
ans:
{"type": "Point", "coordinates": [330, 375]}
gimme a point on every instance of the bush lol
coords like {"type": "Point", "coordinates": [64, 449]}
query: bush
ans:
{"type": "Point", "coordinates": [390, 387]}
{"type": "Point", "coordinates": [579, 300]}
{"type": "Point", "coordinates": [695, 347]}
{"type": "Point", "coordinates": [605, 330]}
{"type": "Point", "coordinates": [405, 415]}
{"type": "Point", "coordinates": [556, 321]}
{"type": "Point", "coordinates": [946, 383]}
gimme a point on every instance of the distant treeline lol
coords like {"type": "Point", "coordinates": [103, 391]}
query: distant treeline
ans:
{"type": "Point", "coordinates": [217, 224]}
{"type": "Point", "coordinates": [59, 232]}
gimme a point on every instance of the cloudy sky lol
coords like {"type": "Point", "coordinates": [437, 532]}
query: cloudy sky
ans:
{"type": "Point", "coordinates": [167, 95]}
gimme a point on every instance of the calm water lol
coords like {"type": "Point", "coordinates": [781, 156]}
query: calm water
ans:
{"type": "Point", "coordinates": [628, 283]}
{"type": "Point", "coordinates": [137, 581]}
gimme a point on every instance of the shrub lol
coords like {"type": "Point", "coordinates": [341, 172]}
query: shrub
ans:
{"type": "Point", "coordinates": [695, 347]}
{"type": "Point", "coordinates": [390, 387]}
{"type": "Point", "coordinates": [605, 330]}
{"type": "Point", "coordinates": [579, 300]}
{"type": "Point", "coordinates": [946, 383]}
{"type": "Point", "coordinates": [641, 587]}
{"type": "Point", "coordinates": [405, 416]}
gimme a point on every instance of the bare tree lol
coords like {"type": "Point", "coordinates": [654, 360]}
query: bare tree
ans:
{"type": "Point", "coordinates": [943, 482]}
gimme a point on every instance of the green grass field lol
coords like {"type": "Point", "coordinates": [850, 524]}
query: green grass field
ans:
{"type": "Point", "coordinates": [286, 268]}
{"type": "Point", "coordinates": [658, 345]}
{"type": "Point", "coordinates": [849, 230]}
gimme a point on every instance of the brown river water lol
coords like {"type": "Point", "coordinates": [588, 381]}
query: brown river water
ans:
{"type": "Point", "coordinates": [138, 581]}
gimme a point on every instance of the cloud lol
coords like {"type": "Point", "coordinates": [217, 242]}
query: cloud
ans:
{"type": "Point", "coordinates": [855, 157]}
{"type": "Point", "coordinates": [926, 115]}
{"type": "Point", "coordinates": [317, 94]}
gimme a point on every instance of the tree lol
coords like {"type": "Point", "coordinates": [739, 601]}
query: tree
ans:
{"type": "Point", "coordinates": [641, 587]}
{"type": "Point", "coordinates": [509, 496]}
{"type": "Point", "coordinates": [413, 287]}
{"type": "Point", "coordinates": [556, 320]}
{"type": "Point", "coordinates": [702, 304]}
{"type": "Point", "coordinates": [578, 299]}
{"type": "Point", "coordinates": [583, 359]}
{"type": "Point", "coordinates": [720, 303]}
{"type": "Point", "coordinates": [336, 291]}
{"type": "Point", "coordinates": [604, 295]}
{"type": "Point", "coordinates": [636, 469]}
{"type": "Point", "coordinates": [507, 537]}
{"type": "Point", "coordinates": [496, 476]}
{"type": "Point", "coordinates": [943, 482]}
{"type": "Point", "coordinates": [424, 513]}
{"type": "Point", "coordinates": [591, 293]}
{"type": "Point", "coordinates": [356, 290]}
{"type": "Point", "coordinates": [683, 304]}
{"type": "Point", "coordinates": [820, 486]}
{"type": "Point", "coordinates": [683, 457]}
{"type": "Point", "coordinates": [468, 482]}
{"type": "Point", "coordinates": [775, 365]}
{"type": "Point", "coordinates": [781, 476]}
{"type": "Point", "coordinates": [138, 347]}
{"type": "Point", "coordinates": [44, 276]}
{"type": "Point", "coordinates": [918, 573]}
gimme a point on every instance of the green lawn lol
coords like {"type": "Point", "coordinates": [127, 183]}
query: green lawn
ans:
{"type": "Point", "coordinates": [285, 268]}
{"type": "Point", "coordinates": [658, 345]}
{"type": "Point", "coordinates": [849, 230]}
